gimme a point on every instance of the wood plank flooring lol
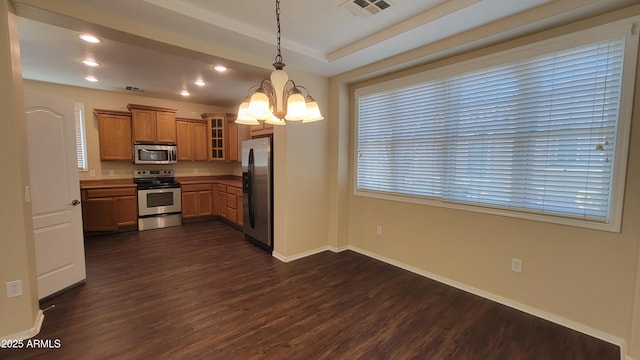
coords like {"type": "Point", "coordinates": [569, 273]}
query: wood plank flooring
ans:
{"type": "Point", "coordinates": [201, 291]}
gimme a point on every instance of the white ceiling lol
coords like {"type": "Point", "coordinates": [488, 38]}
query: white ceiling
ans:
{"type": "Point", "coordinates": [322, 37]}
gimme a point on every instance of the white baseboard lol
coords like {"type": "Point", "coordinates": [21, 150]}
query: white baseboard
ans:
{"type": "Point", "coordinates": [470, 289]}
{"type": "Point", "coordinates": [29, 333]}
{"type": "Point", "coordinates": [339, 249]}
{"type": "Point", "coordinates": [300, 255]}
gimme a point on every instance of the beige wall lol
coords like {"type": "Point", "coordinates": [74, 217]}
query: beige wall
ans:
{"type": "Point", "coordinates": [17, 256]}
{"type": "Point", "coordinates": [575, 275]}
{"type": "Point", "coordinates": [96, 99]}
{"type": "Point", "coordinates": [300, 184]}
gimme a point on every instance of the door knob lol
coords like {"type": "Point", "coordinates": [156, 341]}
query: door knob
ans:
{"type": "Point", "coordinates": [75, 202]}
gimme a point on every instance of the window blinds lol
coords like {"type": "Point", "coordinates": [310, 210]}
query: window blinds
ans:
{"type": "Point", "coordinates": [81, 153]}
{"type": "Point", "coordinates": [536, 135]}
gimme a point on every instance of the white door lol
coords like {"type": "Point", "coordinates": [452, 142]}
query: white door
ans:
{"type": "Point", "coordinates": [55, 193]}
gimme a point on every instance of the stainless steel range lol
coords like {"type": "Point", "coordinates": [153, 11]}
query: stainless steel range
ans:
{"type": "Point", "coordinates": [159, 199]}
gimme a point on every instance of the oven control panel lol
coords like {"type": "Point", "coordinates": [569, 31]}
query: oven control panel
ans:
{"type": "Point", "coordinates": [152, 173]}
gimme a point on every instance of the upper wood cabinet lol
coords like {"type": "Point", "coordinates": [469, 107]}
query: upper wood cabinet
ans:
{"type": "Point", "coordinates": [114, 133]}
{"type": "Point", "coordinates": [217, 128]}
{"type": "Point", "coordinates": [192, 139]}
{"type": "Point", "coordinates": [237, 133]}
{"type": "Point", "coordinates": [152, 124]}
{"type": "Point", "coordinates": [261, 130]}
{"type": "Point", "coordinates": [225, 136]}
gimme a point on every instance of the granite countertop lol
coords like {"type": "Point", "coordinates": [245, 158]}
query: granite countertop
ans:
{"type": "Point", "coordinates": [110, 183]}
{"type": "Point", "coordinates": [230, 180]}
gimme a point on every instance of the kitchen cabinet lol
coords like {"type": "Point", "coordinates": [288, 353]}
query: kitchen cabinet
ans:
{"type": "Point", "coordinates": [262, 130]}
{"type": "Point", "coordinates": [114, 134]}
{"type": "Point", "coordinates": [229, 203]}
{"type": "Point", "coordinates": [197, 200]}
{"type": "Point", "coordinates": [109, 208]}
{"type": "Point", "coordinates": [221, 200]}
{"type": "Point", "coordinates": [192, 140]}
{"type": "Point", "coordinates": [152, 124]}
{"type": "Point", "coordinates": [234, 205]}
{"type": "Point", "coordinates": [225, 136]}
{"type": "Point", "coordinates": [205, 197]}
{"type": "Point", "coordinates": [236, 134]}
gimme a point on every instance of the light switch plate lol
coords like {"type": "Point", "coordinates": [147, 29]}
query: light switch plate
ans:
{"type": "Point", "coordinates": [14, 288]}
{"type": "Point", "coordinates": [516, 265]}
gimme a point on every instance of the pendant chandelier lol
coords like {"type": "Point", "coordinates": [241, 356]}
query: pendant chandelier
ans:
{"type": "Point", "coordinates": [278, 99]}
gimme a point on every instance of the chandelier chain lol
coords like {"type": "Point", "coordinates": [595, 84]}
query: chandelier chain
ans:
{"type": "Point", "coordinates": [279, 55]}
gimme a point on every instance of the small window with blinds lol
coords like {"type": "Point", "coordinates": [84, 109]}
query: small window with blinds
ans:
{"type": "Point", "coordinates": [81, 148]}
{"type": "Point", "coordinates": [539, 137]}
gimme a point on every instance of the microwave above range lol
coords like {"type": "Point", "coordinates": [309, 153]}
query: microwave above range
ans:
{"type": "Point", "coordinates": [155, 154]}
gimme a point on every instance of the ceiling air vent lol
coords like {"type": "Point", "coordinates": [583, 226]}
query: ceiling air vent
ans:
{"type": "Point", "coordinates": [366, 8]}
{"type": "Point", "coordinates": [134, 89]}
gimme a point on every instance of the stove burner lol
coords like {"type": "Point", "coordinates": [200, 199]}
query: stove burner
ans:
{"type": "Point", "coordinates": [154, 179]}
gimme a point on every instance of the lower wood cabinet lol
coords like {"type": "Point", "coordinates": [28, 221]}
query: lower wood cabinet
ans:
{"type": "Point", "coordinates": [109, 209]}
{"type": "Point", "coordinates": [202, 200]}
{"type": "Point", "coordinates": [234, 205]}
{"type": "Point", "coordinates": [221, 201]}
{"type": "Point", "coordinates": [197, 200]}
{"type": "Point", "coordinates": [229, 203]}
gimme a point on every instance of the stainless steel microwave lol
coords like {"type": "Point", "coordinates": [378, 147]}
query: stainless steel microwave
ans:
{"type": "Point", "coordinates": [155, 154]}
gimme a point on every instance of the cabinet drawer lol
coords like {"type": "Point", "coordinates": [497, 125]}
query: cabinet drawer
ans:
{"type": "Point", "coordinates": [234, 190]}
{"type": "Point", "coordinates": [222, 188]}
{"type": "Point", "coordinates": [232, 201]}
{"type": "Point", "coordinates": [110, 192]}
{"type": "Point", "coordinates": [196, 187]}
{"type": "Point", "coordinates": [232, 215]}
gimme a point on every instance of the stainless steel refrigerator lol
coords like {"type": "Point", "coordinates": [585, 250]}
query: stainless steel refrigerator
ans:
{"type": "Point", "coordinates": [257, 189]}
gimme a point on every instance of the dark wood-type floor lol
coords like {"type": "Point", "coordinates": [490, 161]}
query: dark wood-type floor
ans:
{"type": "Point", "coordinates": [201, 291]}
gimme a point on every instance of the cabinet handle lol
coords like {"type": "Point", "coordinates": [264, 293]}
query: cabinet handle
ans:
{"type": "Point", "coordinates": [75, 202]}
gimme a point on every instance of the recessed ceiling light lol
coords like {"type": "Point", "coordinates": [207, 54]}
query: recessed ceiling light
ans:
{"type": "Point", "coordinates": [199, 82]}
{"type": "Point", "coordinates": [90, 62]}
{"type": "Point", "coordinates": [89, 38]}
{"type": "Point", "coordinates": [184, 93]}
{"type": "Point", "coordinates": [91, 78]}
{"type": "Point", "coordinates": [220, 68]}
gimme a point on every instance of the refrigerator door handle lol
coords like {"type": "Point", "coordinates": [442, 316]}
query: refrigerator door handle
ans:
{"type": "Point", "coordinates": [251, 171]}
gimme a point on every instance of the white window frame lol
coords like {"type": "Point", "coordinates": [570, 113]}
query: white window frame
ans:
{"type": "Point", "coordinates": [627, 27]}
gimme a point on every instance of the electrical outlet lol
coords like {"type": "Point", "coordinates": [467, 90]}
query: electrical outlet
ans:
{"type": "Point", "coordinates": [14, 288]}
{"type": "Point", "coordinates": [195, 170]}
{"type": "Point", "coordinates": [516, 265]}
{"type": "Point", "coordinates": [112, 173]}
{"type": "Point", "coordinates": [379, 229]}
{"type": "Point", "coordinates": [92, 173]}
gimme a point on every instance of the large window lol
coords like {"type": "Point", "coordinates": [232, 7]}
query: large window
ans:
{"type": "Point", "coordinates": [531, 133]}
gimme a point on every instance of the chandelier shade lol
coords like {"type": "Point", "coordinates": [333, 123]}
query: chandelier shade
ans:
{"type": "Point", "coordinates": [314, 111]}
{"type": "Point", "coordinates": [243, 115]}
{"type": "Point", "coordinates": [278, 98]}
